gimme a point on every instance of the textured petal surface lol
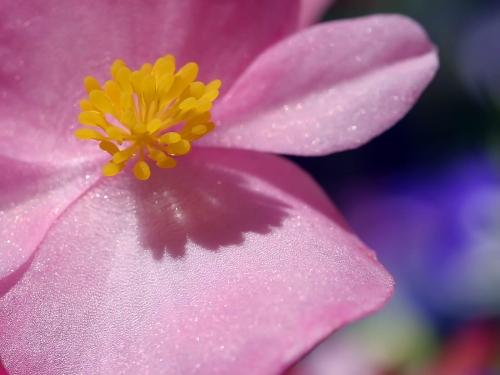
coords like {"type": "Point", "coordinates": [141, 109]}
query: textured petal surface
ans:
{"type": "Point", "coordinates": [47, 47]}
{"type": "Point", "coordinates": [329, 88]}
{"type": "Point", "coordinates": [219, 266]}
{"type": "Point", "coordinates": [32, 196]}
{"type": "Point", "coordinates": [312, 10]}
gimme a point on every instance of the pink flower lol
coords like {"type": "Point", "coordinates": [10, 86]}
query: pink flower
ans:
{"type": "Point", "coordinates": [234, 261]}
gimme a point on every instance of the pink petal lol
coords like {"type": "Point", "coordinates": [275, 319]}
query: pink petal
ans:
{"type": "Point", "coordinates": [2, 370]}
{"type": "Point", "coordinates": [344, 356]}
{"type": "Point", "coordinates": [332, 87]}
{"type": "Point", "coordinates": [312, 10]}
{"type": "Point", "coordinates": [216, 266]}
{"type": "Point", "coordinates": [32, 196]}
{"type": "Point", "coordinates": [49, 46]}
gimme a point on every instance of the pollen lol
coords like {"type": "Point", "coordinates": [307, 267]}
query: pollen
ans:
{"type": "Point", "coordinates": [154, 114]}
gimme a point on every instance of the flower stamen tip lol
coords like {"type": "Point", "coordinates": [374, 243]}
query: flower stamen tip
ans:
{"type": "Point", "coordinates": [154, 111]}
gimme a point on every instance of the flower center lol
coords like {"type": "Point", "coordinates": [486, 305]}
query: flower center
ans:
{"type": "Point", "coordinates": [154, 112]}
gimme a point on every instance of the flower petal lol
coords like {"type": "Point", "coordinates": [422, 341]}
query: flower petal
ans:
{"type": "Point", "coordinates": [49, 46]}
{"type": "Point", "coordinates": [32, 197]}
{"type": "Point", "coordinates": [330, 88]}
{"type": "Point", "coordinates": [312, 10]}
{"type": "Point", "coordinates": [218, 265]}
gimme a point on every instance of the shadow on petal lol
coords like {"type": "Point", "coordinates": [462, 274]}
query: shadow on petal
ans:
{"type": "Point", "coordinates": [205, 204]}
{"type": "Point", "coordinates": [9, 40]}
{"type": "Point", "coordinates": [7, 282]}
{"type": "Point", "coordinates": [19, 182]}
{"type": "Point", "coordinates": [2, 369]}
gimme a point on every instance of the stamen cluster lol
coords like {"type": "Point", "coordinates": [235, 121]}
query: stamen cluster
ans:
{"type": "Point", "coordinates": [138, 109]}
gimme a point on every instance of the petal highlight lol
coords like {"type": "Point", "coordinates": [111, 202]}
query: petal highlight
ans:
{"type": "Point", "coordinates": [329, 88]}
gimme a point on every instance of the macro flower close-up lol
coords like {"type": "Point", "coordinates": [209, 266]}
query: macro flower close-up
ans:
{"type": "Point", "coordinates": [146, 225]}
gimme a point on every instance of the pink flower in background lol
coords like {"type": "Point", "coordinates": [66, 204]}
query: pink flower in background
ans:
{"type": "Point", "coordinates": [232, 262]}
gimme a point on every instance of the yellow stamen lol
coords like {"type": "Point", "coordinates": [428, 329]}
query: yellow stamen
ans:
{"type": "Point", "coordinates": [123, 79]}
{"type": "Point", "coordinates": [91, 84]}
{"type": "Point", "coordinates": [167, 163]}
{"type": "Point", "coordinates": [92, 118]}
{"type": "Point", "coordinates": [113, 92]}
{"type": "Point", "coordinates": [140, 108]}
{"type": "Point", "coordinates": [214, 85]}
{"type": "Point", "coordinates": [109, 147]}
{"type": "Point", "coordinates": [170, 137]}
{"type": "Point", "coordinates": [128, 118]}
{"type": "Point", "coordinates": [141, 170]}
{"type": "Point", "coordinates": [87, 134]}
{"type": "Point", "coordinates": [158, 155]}
{"type": "Point", "coordinates": [122, 156]}
{"type": "Point", "coordinates": [179, 148]}
{"type": "Point", "coordinates": [148, 89]}
{"type": "Point", "coordinates": [86, 105]}
{"type": "Point", "coordinates": [199, 129]}
{"type": "Point", "coordinates": [154, 125]}
{"type": "Point", "coordinates": [111, 169]}
{"type": "Point", "coordinates": [116, 67]}
{"type": "Point", "coordinates": [115, 134]}
{"type": "Point", "coordinates": [146, 68]}
{"type": "Point", "coordinates": [100, 101]}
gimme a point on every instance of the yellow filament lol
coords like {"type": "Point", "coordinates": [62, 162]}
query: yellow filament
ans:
{"type": "Point", "coordinates": [139, 110]}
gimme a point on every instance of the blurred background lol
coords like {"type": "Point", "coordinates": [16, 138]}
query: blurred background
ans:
{"type": "Point", "coordinates": [426, 196]}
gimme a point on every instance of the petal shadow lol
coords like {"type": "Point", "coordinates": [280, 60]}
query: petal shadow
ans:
{"type": "Point", "coordinates": [19, 182]}
{"type": "Point", "coordinates": [203, 203]}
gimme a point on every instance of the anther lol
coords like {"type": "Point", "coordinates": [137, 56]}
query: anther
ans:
{"type": "Point", "coordinates": [137, 110]}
